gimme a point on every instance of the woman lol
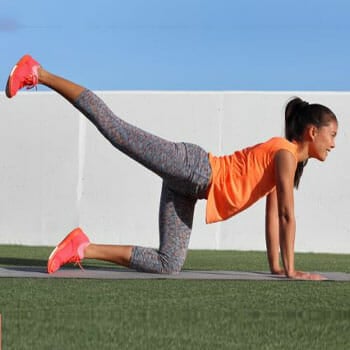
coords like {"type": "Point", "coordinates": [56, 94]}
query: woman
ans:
{"type": "Point", "coordinates": [230, 183]}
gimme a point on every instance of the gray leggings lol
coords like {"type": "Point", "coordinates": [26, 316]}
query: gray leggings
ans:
{"type": "Point", "coordinates": [185, 171]}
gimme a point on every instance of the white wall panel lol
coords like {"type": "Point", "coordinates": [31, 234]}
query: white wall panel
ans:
{"type": "Point", "coordinates": [58, 172]}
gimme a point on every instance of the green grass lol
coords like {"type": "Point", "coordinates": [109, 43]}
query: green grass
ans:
{"type": "Point", "coordinates": [176, 314]}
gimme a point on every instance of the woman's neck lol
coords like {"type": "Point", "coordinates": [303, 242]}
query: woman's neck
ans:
{"type": "Point", "coordinates": [302, 150]}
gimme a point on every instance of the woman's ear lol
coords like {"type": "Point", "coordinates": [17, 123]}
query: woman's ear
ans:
{"type": "Point", "coordinates": [311, 132]}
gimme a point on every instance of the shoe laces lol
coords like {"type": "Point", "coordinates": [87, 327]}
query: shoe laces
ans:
{"type": "Point", "coordinates": [76, 261]}
{"type": "Point", "coordinates": [31, 81]}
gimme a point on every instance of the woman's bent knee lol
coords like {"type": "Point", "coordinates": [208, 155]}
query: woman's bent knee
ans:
{"type": "Point", "coordinates": [172, 266]}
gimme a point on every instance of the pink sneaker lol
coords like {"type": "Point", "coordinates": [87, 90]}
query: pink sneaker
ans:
{"type": "Point", "coordinates": [23, 74]}
{"type": "Point", "coordinates": [70, 250]}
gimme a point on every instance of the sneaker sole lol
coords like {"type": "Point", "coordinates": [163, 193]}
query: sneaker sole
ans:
{"type": "Point", "coordinates": [8, 84]}
{"type": "Point", "coordinates": [60, 246]}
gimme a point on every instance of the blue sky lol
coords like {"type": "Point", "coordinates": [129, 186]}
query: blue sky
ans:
{"type": "Point", "coordinates": [183, 44]}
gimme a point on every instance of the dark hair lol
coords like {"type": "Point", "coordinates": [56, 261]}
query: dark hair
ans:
{"type": "Point", "coordinates": [298, 115]}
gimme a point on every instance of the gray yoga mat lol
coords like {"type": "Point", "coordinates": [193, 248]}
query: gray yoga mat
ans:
{"type": "Point", "coordinates": [121, 274]}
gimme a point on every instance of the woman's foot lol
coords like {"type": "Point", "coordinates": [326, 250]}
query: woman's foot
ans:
{"type": "Point", "coordinates": [23, 74]}
{"type": "Point", "coordinates": [70, 250]}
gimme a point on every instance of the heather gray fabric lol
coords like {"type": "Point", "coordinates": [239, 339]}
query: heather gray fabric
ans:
{"type": "Point", "coordinates": [185, 171]}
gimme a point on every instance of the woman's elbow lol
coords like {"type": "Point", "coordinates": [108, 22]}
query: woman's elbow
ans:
{"type": "Point", "coordinates": [286, 217]}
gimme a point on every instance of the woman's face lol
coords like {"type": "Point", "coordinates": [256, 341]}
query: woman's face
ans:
{"type": "Point", "coordinates": [323, 141]}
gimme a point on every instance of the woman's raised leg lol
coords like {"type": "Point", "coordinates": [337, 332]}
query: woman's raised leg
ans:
{"type": "Point", "coordinates": [165, 158]}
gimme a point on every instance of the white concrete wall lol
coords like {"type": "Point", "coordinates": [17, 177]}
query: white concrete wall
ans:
{"type": "Point", "coordinates": [58, 172]}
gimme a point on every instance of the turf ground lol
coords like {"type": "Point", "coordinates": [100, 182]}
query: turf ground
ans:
{"type": "Point", "coordinates": [176, 314]}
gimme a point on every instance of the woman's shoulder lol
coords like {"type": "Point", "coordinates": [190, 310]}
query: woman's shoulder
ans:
{"type": "Point", "coordinates": [279, 143]}
{"type": "Point", "coordinates": [276, 144]}
{"type": "Point", "coordinates": [278, 140]}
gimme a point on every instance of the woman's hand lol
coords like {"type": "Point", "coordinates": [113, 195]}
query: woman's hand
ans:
{"type": "Point", "coordinates": [279, 272]}
{"type": "Point", "coordinates": [300, 275]}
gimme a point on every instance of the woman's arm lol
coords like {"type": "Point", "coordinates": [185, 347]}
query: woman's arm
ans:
{"type": "Point", "coordinates": [272, 234]}
{"type": "Point", "coordinates": [285, 166]}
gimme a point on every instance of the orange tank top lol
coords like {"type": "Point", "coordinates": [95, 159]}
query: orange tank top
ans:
{"type": "Point", "coordinates": [242, 178]}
